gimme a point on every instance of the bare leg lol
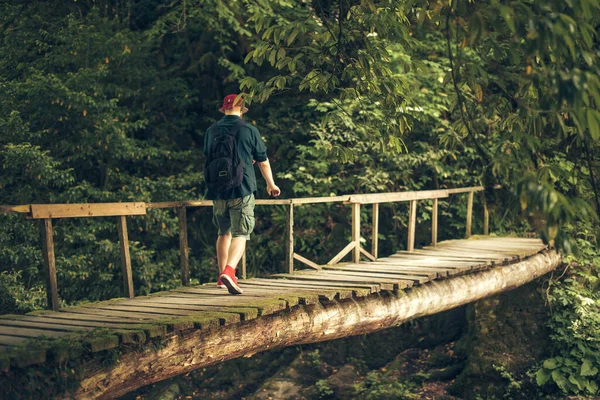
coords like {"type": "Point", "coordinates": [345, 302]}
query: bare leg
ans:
{"type": "Point", "coordinates": [236, 250]}
{"type": "Point", "coordinates": [223, 246]}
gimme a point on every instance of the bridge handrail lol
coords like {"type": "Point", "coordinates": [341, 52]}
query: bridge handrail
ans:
{"type": "Point", "coordinates": [46, 212]}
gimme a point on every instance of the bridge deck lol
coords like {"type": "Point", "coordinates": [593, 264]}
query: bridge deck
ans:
{"type": "Point", "coordinates": [137, 320]}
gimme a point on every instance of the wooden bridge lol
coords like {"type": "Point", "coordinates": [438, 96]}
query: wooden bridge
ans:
{"type": "Point", "coordinates": [174, 332]}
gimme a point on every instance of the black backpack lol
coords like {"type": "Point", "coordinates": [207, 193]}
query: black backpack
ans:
{"type": "Point", "coordinates": [224, 169]}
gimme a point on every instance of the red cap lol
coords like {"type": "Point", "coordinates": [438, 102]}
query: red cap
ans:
{"type": "Point", "coordinates": [230, 101]}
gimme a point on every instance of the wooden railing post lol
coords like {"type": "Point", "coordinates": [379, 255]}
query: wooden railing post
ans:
{"type": "Point", "coordinates": [486, 218]}
{"type": "Point", "coordinates": [49, 263]}
{"type": "Point", "coordinates": [289, 239]}
{"type": "Point", "coordinates": [434, 222]}
{"type": "Point", "coordinates": [412, 222]}
{"type": "Point", "coordinates": [125, 257]}
{"type": "Point", "coordinates": [184, 260]}
{"type": "Point", "coordinates": [469, 214]}
{"type": "Point", "coordinates": [375, 231]}
{"type": "Point", "coordinates": [356, 232]}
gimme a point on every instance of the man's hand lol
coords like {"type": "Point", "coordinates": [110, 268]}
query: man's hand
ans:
{"type": "Point", "coordinates": [273, 190]}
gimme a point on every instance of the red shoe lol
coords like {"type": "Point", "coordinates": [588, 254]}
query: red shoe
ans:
{"type": "Point", "coordinates": [220, 284]}
{"type": "Point", "coordinates": [230, 281]}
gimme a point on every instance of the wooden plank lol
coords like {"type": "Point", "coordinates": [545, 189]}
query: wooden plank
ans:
{"type": "Point", "coordinates": [125, 257]}
{"type": "Point", "coordinates": [317, 200]}
{"type": "Point", "coordinates": [246, 313]}
{"type": "Point", "coordinates": [43, 325]}
{"type": "Point", "coordinates": [39, 211]}
{"type": "Point", "coordinates": [367, 254]}
{"type": "Point", "coordinates": [421, 260]}
{"type": "Point", "coordinates": [177, 204]}
{"type": "Point", "coordinates": [356, 232]}
{"type": "Point", "coordinates": [342, 253]}
{"type": "Point", "coordinates": [107, 313]}
{"type": "Point", "coordinates": [306, 261]}
{"type": "Point", "coordinates": [375, 231]}
{"type": "Point", "coordinates": [289, 239]}
{"type": "Point", "coordinates": [24, 209]}
{"type": "Point", "coordinates": [257, 293]}
{"type": "Point", "coordinates": [83, 324]}
{"type": "Point", "coordinates": [323, 293]}
{"type": "Point", "coordinates": [397, 196]}
{"type": "Point", "coordinates": [388, 271]}
{"type": "Point", "coordinates": [465, 190]}
{"type": "Point", "coordinates": [469, 215]}
{"type": "Point", "coordinates": [388, 278]}
{"type": "Point", "coordinates": [29, 332]}
{"type": "Point", "coordinates": [359, 290]}
{"type": "Point", "coordinates": [184, 257]}
{"type": "Point", "coordinates": [49, 264]}
{"type": "Point", "coordinates": [372, 287]}
{"type": "Point", "coordinates": [7, 340]}
{"type": "Point", "coordinates": [434, 222]}
{"type": "Point", "coordinates": [67, 315]}
{"type": "Point", "coordinates": [412, 222]}
{"type": "Point", "coordinates": [161, 313]}
{"type": "Point", "coordinates": [331, 278]}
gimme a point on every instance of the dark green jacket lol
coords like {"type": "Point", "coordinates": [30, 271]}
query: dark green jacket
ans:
{"type": "Point", "coordinates": [250, 146]}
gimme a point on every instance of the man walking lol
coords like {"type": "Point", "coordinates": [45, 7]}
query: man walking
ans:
{"type": "Point", "coordinates": [232, 146]}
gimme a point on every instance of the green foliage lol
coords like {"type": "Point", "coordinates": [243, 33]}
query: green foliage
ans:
{"type": "Point", "coordinates": [575, 323]}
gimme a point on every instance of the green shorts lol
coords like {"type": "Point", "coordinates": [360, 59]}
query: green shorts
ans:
{"type": "Point", "coordinates": [235, 216]}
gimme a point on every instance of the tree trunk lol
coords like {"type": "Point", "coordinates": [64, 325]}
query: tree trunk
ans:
{"type": "Point", "coordinates": [183, 353]}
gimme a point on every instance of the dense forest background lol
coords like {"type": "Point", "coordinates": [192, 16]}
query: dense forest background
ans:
{"type": "Point", "coordinates": [104, 101]}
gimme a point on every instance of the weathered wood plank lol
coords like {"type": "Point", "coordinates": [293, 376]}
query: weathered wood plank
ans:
{"type": "Point", "coordinates": [289, 239]}
{"type": "Point", "coordinates": [39, 211]}
{"type": "Point", "coordinates": [43, 326]}
{"type": "Point", "coordinates": [125, 257]}
{"type": "Point", "coordinates": [331, 278]}
{"type": "Point", "coordinates": [342, 290]}
{"type": "Point", "coordinates": [469, 215]}
{"type": "Point", "coordinates": [21, 209]}
{"type": "Point", "coordinates": [29, 332]}
{"type": "Point", "coordinates": [342, 253]}
{"type": "Point", "coordinates": [47, 237]}
{"type": "Point", "coordinates": [434, 222]}
{"type": "Point", "coordinates": [356, 232]}
{"type": "Point", "coordinates": [7, 340]}
{"type": "Point", "coordinates": [398, 196]}
{"type": "Point", "coordinates": [184, 258]}
{"type": "Point", "coordinates": [372, 288]}
{"type": "Point", "coordinates": [390, 270]}
{"type": "Point", "coordinates": [412, 222]}
{"type": "Point", "coordinates": [375, 231]}
{"type": "Point", "coordinates": [401, 280]}
{"type": "Point", "coordinates": [367, 254]}
{"type": "Point", "coordinates": [306, 261]}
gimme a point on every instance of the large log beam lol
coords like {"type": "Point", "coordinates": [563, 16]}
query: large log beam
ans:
{"type": "Point", "coordinates": [306, 324]}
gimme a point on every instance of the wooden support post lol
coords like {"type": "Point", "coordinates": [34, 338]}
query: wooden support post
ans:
{"type": "Point", "coordinates": [356, 232]}
{"type": "Point", "coordinates": [486, 219]}
{"type": "Point", "coordinates": [375, 237]}
{"type": "Point", "coordinates": [469, 215]}
{"type": "Point", "coordinates": [125, 258]}
{"type": "Point", "coordinates": [289, 239]}
{"type": "Point", "coordinates": [49, 263]}
{"type": "Point", "coordinates": [244, 265]}
{"type": "Point", "coordinates": [184, 260]}
{"type": "Point", "coordinates": [412, 222]}
{"type": "Point", "coordinates": [434, 222]}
